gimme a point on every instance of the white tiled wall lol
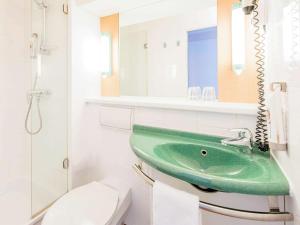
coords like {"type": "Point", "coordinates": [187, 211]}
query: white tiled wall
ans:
{"type": "Point", "coordinates": [201, 122]}
{"type": "Point", "coordinates": [84, 28]}
{"type": "Point", "coordinates": [14, 82]}
{"type": "Point", "coordinates": [279, 70]}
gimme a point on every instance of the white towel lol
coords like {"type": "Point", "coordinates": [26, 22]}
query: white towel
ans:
{"type": "Point", "coordinates": [174, 207]}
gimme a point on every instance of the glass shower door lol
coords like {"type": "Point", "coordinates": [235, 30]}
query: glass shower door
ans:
{"type": "Point", "coordinates": [49, 106]}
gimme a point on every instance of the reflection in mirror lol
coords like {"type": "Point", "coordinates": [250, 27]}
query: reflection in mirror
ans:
{"type": "Point", "coordinates": [238, 38]}
{"type": "Point", "coordinates": [202, 58]}
{"type": "Point", "coordinates": [106, 54]}
{"type": "Point", "coordinates": [168, 47]}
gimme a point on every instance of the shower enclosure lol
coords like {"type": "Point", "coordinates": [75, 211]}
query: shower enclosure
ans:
{"type": "Point", "coordinates": [33, 107]}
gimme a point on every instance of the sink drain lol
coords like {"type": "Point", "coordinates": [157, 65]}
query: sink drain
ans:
{"type": "Point", "coordinates": [204, 152]}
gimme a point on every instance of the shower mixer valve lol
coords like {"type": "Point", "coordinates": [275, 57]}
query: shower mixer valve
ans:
{"type": "Point", "coordinates": [38, 93]}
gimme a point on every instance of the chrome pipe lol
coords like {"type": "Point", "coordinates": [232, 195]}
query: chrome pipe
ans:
{"type": "Point", "coordinates": [44, 26]}
{"type": "Point", "coordinates": [41, 4]}
{"type": "Point", "coordinates": [226, 211]}
{"type": "Point", "coordinates": [43, 43]}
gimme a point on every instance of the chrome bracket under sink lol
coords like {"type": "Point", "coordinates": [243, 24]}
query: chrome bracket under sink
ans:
{"type": "Point", "coordinates": [273, 215]}
{"type": "Point", "coordinates": [273, 204]}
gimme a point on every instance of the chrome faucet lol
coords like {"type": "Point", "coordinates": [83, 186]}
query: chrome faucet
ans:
{"type": "Point", "coordinates": [244, 138]}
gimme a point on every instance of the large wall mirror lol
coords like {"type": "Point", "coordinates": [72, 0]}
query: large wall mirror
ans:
{"type": "Point", "coordinates": [167, 47]}
{"type": "Point", "coordinates": [182, 48]}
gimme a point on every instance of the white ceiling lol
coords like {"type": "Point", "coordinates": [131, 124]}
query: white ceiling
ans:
{"type": "Point", "coordinates": [107, 7]}
{"type": "Point", "coordinates": [165, 8]}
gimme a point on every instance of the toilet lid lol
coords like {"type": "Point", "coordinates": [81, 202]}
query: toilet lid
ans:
{"type": "Point", "coordinates": [92, 204]}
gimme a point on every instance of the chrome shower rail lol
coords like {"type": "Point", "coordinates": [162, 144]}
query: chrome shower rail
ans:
{"type": "Point", "coordinates": [226, 211]}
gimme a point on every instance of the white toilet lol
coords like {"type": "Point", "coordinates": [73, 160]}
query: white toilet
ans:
{"type": "Point", "coordinates": [98, 203]}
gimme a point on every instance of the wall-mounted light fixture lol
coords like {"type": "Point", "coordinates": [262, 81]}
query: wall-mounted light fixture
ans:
{"type": "Point", "coordinates": [106, 54]}
{"type": "Point", "coordinates": [238, 39]}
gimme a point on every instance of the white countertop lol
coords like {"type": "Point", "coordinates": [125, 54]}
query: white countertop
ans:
{"type": "Point", "coordinates": [176, 104]}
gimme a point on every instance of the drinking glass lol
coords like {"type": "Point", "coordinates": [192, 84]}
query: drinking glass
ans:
{"type": "Point", "coordinates": [194, 93]}
{"type": "Point", "coordinates": [209, 94]}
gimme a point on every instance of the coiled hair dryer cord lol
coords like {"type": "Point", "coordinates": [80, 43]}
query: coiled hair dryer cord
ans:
{"type": "Point", "coordinates": [261, 133]}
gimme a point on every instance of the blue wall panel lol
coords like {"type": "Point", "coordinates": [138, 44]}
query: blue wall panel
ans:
{"type": "Point", "coordinates": [202, 58]}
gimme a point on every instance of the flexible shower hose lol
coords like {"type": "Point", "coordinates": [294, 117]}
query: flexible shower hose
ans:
{"type": "Point", "coordinates": [38, 98]}
{"type": "Point", "coordinates": [29, 131]}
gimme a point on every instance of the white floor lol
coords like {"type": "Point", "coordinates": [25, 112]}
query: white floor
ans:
{"type": "Point", "coordinates": [16, 202]}
{"type": "Point", "coordinates": [15, 205]}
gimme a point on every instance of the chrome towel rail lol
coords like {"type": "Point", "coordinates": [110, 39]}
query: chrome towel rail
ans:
{"type": "Point", "coordinates": [226, 211]}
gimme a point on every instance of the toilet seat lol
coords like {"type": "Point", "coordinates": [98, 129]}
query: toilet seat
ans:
{"type": "Point", "coordinates": [92, 204]}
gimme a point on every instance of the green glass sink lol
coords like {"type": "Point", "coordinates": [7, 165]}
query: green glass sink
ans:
{"type": "Point", "coordinates": [213, 161]}
{"type": "Point", "coordinates": [202, 160]}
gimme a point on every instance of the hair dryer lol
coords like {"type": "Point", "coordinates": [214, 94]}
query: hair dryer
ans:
{"type": "Point", "coordinates": [248, 6]}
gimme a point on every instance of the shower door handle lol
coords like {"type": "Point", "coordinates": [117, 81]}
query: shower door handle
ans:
{"type": "Point", "coordinates": [65, 8]}
{"type": "Point", "coordinates": [66, 163]}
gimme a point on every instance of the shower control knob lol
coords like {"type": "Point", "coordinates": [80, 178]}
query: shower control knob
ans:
{"type": "Point", "coordinates": [39, 93]}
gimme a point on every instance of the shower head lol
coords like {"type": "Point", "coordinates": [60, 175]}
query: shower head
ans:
{"type": "Point", "coordinates": [41, 3]}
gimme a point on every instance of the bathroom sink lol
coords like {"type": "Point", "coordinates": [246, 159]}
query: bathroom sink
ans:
{"type": "Point", "coordinates": [202, 160]}
{"type": "Point", "coordinates": [213, 161]}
